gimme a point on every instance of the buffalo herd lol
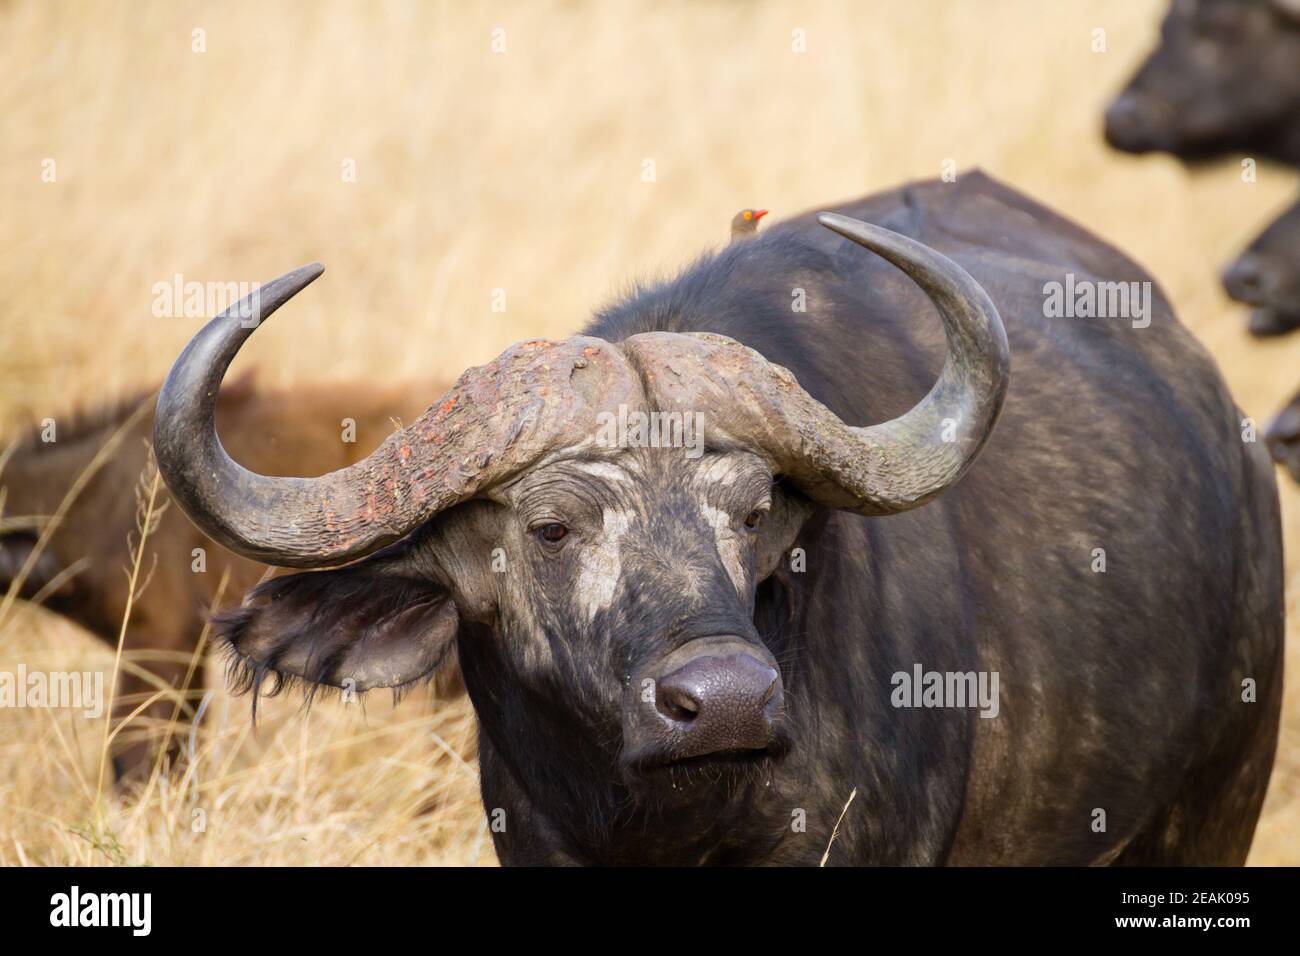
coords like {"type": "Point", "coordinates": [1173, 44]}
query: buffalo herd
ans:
{"type": "Point", "coordinates": [1224, 80]}
{"type": "Point", "coordinates": [77, 571]}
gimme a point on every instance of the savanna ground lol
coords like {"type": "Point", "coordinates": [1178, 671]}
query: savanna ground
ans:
{"type": "Point", "coordinates": [478, 170]}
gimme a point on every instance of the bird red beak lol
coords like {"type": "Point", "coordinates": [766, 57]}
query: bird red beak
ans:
{"type": "Point", "coordinates": [759, 214]}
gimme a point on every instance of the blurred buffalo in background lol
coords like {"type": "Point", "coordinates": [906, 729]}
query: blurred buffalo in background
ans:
{"type": "Point", "coordinates": [82, 569]}
{"type": "Point", "coordinates": [1283, 437]}
{"type": "Point", "coordinates": [1225, 78]}
{"type": "Point", "coordinates": [1267, 275]}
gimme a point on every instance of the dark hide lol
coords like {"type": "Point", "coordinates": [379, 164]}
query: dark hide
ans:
{"type": "Point", "coordinates": [1138, 706]}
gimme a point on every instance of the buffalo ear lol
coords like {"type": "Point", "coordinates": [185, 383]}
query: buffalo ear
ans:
{"type": "Point", "coordinates": [371, 625]}
{"type": "Point", "coordinates": [789, 512]}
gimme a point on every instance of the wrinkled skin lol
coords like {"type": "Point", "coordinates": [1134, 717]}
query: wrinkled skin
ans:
{"type": "Point", "coordinates": [1223, 80]}
{"type": "Point", "coordinates": [1267, 276]}
{"type": "Point", "coordinates": [281, 431]}
{"type": "Point", "coordinates": [1121, 690]}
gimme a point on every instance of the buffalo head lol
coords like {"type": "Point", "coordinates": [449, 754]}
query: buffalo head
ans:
{"type": "Point", "coordinates": [598, 581]}
{"type": "Point", "coordinates": [1267, 276]}
{"type": "Point", "coordinates": [1223, 78]}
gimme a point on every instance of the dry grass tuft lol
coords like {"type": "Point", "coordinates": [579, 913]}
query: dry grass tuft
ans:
{"type": "Point", "coordinates": [337, 785]}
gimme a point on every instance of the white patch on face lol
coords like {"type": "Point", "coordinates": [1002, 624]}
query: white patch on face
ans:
{"type": "Point", "coordinates": [729, 544]}
{"type": "Point", "coordinates": [718, 470]}
{"type": "Point", "coordinates": [606, 470]}
{"type": "Point", "coordinates": [600, 566]}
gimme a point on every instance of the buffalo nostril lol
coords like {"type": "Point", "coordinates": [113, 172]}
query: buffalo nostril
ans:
{"type": "Point", "coordinates": [676, 703]}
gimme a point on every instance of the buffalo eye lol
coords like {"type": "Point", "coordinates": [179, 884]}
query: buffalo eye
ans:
{"type": "Point", "coordinates": [753, 519]}
{"type": "Point", "coordinates": [552, 533]}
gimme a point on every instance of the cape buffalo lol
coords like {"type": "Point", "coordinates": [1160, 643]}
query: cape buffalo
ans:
{"type": "Point", "coordinates": [1223, 79]}
{"type": "Point", "coordinates": [1267, 276]}
{"type": "Point", "coordinates": [707, 614]}
{"type": "Point", "coordinates": [80, 571]}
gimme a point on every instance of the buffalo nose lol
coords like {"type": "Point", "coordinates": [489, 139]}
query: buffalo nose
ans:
{"type": "Point", "coordinates": [1129, 125]}
{"type": "Point", "coordinates": [1245, 280]}
{"type": "Point", "coordinates": [721, 702]}
{"type": "Point", "coordinates": [1286, 427]}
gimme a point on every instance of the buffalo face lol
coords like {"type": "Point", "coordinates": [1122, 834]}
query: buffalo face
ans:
{"type": "Point", "coordinates": [625, 589]}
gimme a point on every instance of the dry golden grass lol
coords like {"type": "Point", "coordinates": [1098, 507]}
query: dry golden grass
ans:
{"type": "Point", "coordinates": [477, 171]}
